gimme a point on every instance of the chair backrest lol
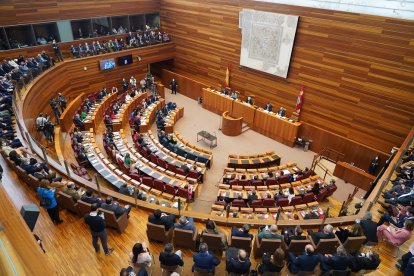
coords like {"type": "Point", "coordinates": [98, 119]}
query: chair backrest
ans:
{"type": "Point", "coordinates": [169, 268]}
{"type": "Point", "coordinates": [65, 201]}
{"type": "Point", "coordinates": [296, 200]}
{"type": "Point", "coordinates": [256, 203]}
{"type": "Point", "coordinates": [169, 189]}
{"type": "Point", "coordinates": [213, 241]}
{"type": "Point", "coordinates": [327, 246]}
{"type": "Point", "coordinates": [238, 203]}
{"type": "Point", "coordinates": [159, 185]}
{"type": "Point", "coordinates": [193, 174]}
{"type": "Point", "coordinates": [156, 232]}
{"type": "Point", "coordinates": [308, 197]}
{"type": "Point", "coordinates": [184, 238]}
{"type": "Point", "coordinates": [162, 163]}
{"type": "Point", "coordinates": [244, 182]}
{"type": "Point", "coordinates": [322, 195]}
{"type": "Point", "coordinates": [282, 202]}
{"type": "Point", "coordinates": [242, 243]}
{"type": "Point", "coordinates": [182, 193]}
{"type": "Point", "coordinates": [331, 190]}
{"type": "Point", "coordinates": [353, 244]}
{"type": "Point", "coordinates": [265, 246]}
{"type": "Point", "coordinates": [234, 182]}
{"type": "Point", "coordinates": [271, 181]}
{"type": "Point", "coordinates": [83, 208]}
{"type": "Point", "coordinates": [269, 202]}
{"type": "Point", "coordinates": [180, 171]}
{"type": "Point", "coordinates": [110, 218]}
{"type": "Point", "coordinates": [297, 246]}
{"type": "Point", "coordinates": [147, 181]}
{"type": "Point", "coordinates": [202, 272]}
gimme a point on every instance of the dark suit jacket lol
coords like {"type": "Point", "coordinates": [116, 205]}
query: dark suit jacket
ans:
{"type": "Point", "coordinates": [303, 262]}
{"type": "Point", "coordinates": [235, 232]}
{"type": "Point", "coordinates": [233, 264]}
{"type": "Point", "coordinates": [334, 262]}
{"type": "Point", "coordinates": [205, 260]}
{"type": "Point", "coordinates": [118, 210]}
{"type": "Point", "coordinates": [369, 228]}
{"type": "Point", "coordinates": [321, 235]}
{"type": "Point", "coordinates": [170, 259]}
{"type": "Point", "coordinates": [168, 221]}
{"type": "Point", "coordinates": [358, 262]}
{"type": "Point", "coordinates": [91, 200]}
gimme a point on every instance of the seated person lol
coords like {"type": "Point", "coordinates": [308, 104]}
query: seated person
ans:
{"type": "Point", "coordinates": [169, 258]}
{"type": "Point", "coordinates": [115, 207]}
{"type": "Point", "coordinates": [90, 198]}
{"type": "Point", "coordinates": [369, 227]}
{"type": "Point", "coordinates": [186, 223]}
{"type": "Point", "coordinates": [233, 95]}
{"type": "Point", "coordinates": [249, 100]}
{"type": "Point", "coordinates": [396, 236]}
{"type": "Point", "coordinates": [269, 233]}
{"type": "Point", "coordinates": [404, 213]}
{"type": "Point", "coordinates": [403, 261]}
{"type": "Point", "coordinates": [237, 261]}
{"type": "Point", "coordinates": [344, 233]}
{"type": "Point", "coordinates": [211, 228]}
{"type": "Point", "coordinates": [107, 120]}
{"type": "Point", "coordinates": [160, 218]}
{"type": "Point", "coordinates": [241, 232]}
{"type": "Point", "coordinates": [315, 189]}
{"type": "Point", "coordinates": [124, 189]}
{"type": "Point", "coordinates": [293, 234]}
{"type": "Point", "coordinates": [252, 196]}
{"type": "Point", "coordinates": [327, 233]}
{"type": "Point", "coordinates": [205, 259]}
{"type": "Point", "coordinates": [272, 263]}
{"type": "Point", "coordinates": [72, 192]}
{"type": "Point", "coordinates": [268, 107]}
{"type": "Point", "coordinates": [281, 112]}
{"type": "Point", "coordinates": [140, 256]}
{"type": "Point", "coordinates": [337, 261]}
{"type": "Point", "coordinates": [307, 261]}
{"type": "Point", "coordinates": [366, 261]}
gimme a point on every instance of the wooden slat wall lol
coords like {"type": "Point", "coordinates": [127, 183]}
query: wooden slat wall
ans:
{"type": "Point", "coordinates": [14, 12]}
{"type": "Point", "coordinates": [71, 79]}
{"type": "Point", "coordinates": [358, 70]}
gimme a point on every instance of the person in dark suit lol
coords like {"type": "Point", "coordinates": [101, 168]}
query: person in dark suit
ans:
{"type": "Point", "coordinates": [252, 196]}
{"type": "Point", "coordinates": [249, 100]}
{"type": "Point", "coordinates": [281, 112]}
{"type": "Point", "coordinates": [293, 234]}
{"type": "Point", "coordinates": [169, 258]}
{"type": "Point", "coordinates": [368, 261]}
{"type": "Point", "coordinates": [90, 198]}
{"type": "Point", "coordinates": [409, 269]}
{"type": "Point", "coordinates": [173, 86]}
{"type": "Point", "coordinates": [369, 228]}
{"type": "Point", "coordinates": [307, 261]}
{"type": "Point", "coordinates": [242, 232]}
{"type": "Point", "coordinates": [205, 259]}
{"type": "Point", "coordinates": [186, 224]}
{"type": "Point", "coordinates": [337, 261]}
{"type": "Point", "coordinates": [327, 233]}
{"type": "Point", "coordinates": [115, 207]}
{"type": "Point", "coordinates": [237, 261]}
{"type": "Point", "coordinates": [268, 107]}
{"type": "Point", "coordinates": [160, 218]}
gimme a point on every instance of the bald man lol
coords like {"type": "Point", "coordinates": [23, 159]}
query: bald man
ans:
{"type": "Point", "coordinates": [239, 264]}
{"type": "Point", "coordinates": [307, 261]}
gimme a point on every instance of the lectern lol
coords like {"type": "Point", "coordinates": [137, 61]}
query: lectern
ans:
{"type": "Point", "coordinates": [231, 126]}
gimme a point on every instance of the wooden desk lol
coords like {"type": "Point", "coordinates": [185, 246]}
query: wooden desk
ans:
{"type": "Point", "coordinates": [231, 126]}
{"type": "Point", "coordinates": [275, 127]}
{"type": "Point", "coordinates": [241, 109]}
{"type": "Point", "coordinates": [66, 118]}
{"type": "Point", "coordinates": [216, 102]}
{"type": "Point", "coordinates": [354, 175]}
{"type": "Point", "coordinates": [175, 116]}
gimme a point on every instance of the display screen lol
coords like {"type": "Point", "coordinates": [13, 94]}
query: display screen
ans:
{"type": "Point", "coordinates": [107, 64]}
{"type": "Point", "coordinates": [125, 60]}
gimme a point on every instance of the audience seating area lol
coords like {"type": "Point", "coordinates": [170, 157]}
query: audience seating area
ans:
{"type": "Point", "coordinates": [253, 161]}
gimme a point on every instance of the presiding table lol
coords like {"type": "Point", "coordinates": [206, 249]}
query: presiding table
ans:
{"type": "Point", "coordinates": [354, 175]}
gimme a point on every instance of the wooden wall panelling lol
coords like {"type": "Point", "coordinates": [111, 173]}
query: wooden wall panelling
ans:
{"type": "Point", "coordinates": [74, 80]}
{"type": "Point", "coordinates": [13, 12]}
{"type": "Point", "coordinates": [357, 69]}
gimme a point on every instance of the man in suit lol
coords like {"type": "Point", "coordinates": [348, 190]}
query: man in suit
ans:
{"type": "Point", "coordinates": [169, 258]}
{"type": "Point", "coordinates": [90, 198]}
{"type": "Point", "coordinates": [369, 228]}
{"type": "Point", "coordinates": [307, 261]}
{"type": "Point", "coordinates": [233, 95]}
{"type": "Point", "coordinates": [205, 259]}
{"type": "Point", "coordinates": [249, 100]}
{"type": "Point", "coordinates": [403, 199]}
{"type": "Point", "coordinates": [115, 207]}
{"type": "Point", "coordinates": [327, 233]}
{"type": "Point", "coordinates": [281, 112]}
{"type": "Point", "coordinates": [96, 222]}
{"type": "Point", "coordinates": [160, 218]}
{"type": "Point", "coordinates": [293, 234]}
{"type": "Point", "coordinates": [252, 196]}
{"type": "Point", "coordinates": [269, 233]}
{"type": "Point", "coordinates": [185, 223]}
{"type": "Point", "coordinates": [268, 107]}
{"type": "Point", "coordinates": [337, 261]}
{"type": "Point", "coordinates": [237, 261]}
{"type": "Point", "coordinates": [173, 86]}
{"type": "Point", "coordinates": [242, 232]}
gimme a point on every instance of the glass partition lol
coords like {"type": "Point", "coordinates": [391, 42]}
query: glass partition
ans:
{"type": "Point", "coordinates": [45, 33]}
{"type": "Point", "coordinates": [20, 36]}
{"type": "Point", "coordinates": [101, 26]}
{"type": "Point", "coordinates": [4, 43]}
{"type": "Point", "coordinates": [81, 29]}
{"type": "Point", "coordinates": [120, 24]}
{"type": "Point", "coordinates": [153, 20]}
{"type": "Point", "coordinates": [137, 22]}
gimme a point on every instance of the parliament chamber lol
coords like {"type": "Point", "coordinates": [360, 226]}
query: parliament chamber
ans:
{"type": "Point", "coordinates": [88, 109]}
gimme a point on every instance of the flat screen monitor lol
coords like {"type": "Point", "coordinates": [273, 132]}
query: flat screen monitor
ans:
{"type": "Point", "coordinates": [107, 64]}
{"type": "Point", "coordinates": [125, 60]}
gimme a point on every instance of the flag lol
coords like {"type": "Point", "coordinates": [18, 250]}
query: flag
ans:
{"type": "Point", "coordinates": [227, 81]}
{"type": "Point", "coordinates": [299, 101]}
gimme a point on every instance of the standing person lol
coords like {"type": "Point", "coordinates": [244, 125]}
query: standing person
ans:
{"type": "Point", "coordinates": [49, 131]}
{"type": "Point", "coordinates": [124, 85]}
{"type": "Point", "coordinates": [173, 86]}
{"type": "Point", "coordinates": [62, 101]}
{"type": "Point", "coordinates": [54, 105]}
{"type": "Point", "coordinates": [97, 224]}
{"type": "Point", "coordinates": [48, 201]}
{"type": "Point", "coordinates": [57, 51]}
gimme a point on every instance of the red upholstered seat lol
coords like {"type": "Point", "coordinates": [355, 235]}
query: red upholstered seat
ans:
{"type": "Point", "coordinates": [282, 202]}
{"type": "Point", "coordinates": [295, 201]}
{"type": "Point", "coordinates": [269, 202]}
{"type": "Point", "coordinates": [308, 197]}
{"type": "Point", "coordinates": [159, 185]}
